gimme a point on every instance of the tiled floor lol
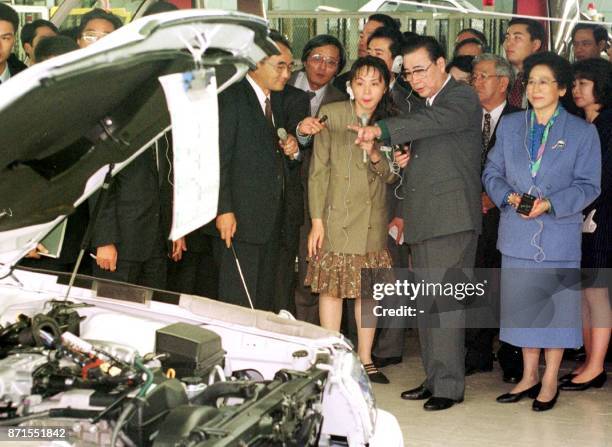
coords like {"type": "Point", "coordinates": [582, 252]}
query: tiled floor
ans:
{"type": "Point", "coordinates": [580, 419]}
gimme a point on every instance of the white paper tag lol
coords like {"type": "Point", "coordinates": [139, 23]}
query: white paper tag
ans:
{"type": "Point", "coordinates": [192, 102]}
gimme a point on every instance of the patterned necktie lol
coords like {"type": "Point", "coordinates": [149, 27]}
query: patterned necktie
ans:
{"type": "Point", "coordinates": [486, 137]}
{"type": "Point", "coordinates": [516, 94]}
{"type": "Point", "coordinates": [268, 113]}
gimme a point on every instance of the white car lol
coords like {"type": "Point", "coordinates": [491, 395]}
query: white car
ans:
{"type": "Point", "coordinates": [98, 363]}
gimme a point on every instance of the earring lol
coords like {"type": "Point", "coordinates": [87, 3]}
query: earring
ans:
{"type": "Point", "coordinates": [349, 90]}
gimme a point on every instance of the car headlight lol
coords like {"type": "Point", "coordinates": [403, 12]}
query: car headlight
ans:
{"type": "Point", "coordinates": [353, 369]}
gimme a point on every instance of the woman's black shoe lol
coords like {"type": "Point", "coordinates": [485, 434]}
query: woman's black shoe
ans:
{"type": "Point", "coordinates": [596, 382]}
{"type": "Point", "coordinates": [538, 405]}
{"type": "Point", "coordinates": [567, 377]}
{"type": "Point", "coordinates": [374, 374]}
{"type": "Point", "coordinates": [510, 398]}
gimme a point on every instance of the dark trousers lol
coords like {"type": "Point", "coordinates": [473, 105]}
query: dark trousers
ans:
{"type": "Point", "coordinates": [286, 275]}
{"type": "Point", "coordinates": [306, 302]}
{"type": "Point", "coordinates": [150, 273]}
{"type": "Point", "coordinates": [258, 262]}
{"type": "Point", "coordinates": [443, 347]}
{"type": "Point", "coordinates": [196, 273]}
{"type": "Point", "coordinates": [390, 341]}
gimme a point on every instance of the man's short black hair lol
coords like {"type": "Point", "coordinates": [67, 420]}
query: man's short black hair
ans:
{"type": "Point", "coordinates": [52, 46]}
{"type": "Point", "coordinates": [277, 37]}
{"type": "Point", "coordinates": [599, 32]}
{"type": "Point", "coordinates": [471, 40]}
{"type": "Point", "coordinates": [98, 13]}
{"type": "Point", "coordinates": [534, 28]}
{"type": "Point", "coordinates": [386, 20]}
{"type": "Point", "coordinates": [463, 63]}
{"type": "Point", "coordinates": [159, 7]}
{"type": "Point", "coordinates": [600, 72]}
{"type": "Point", "coordinates": [433, 47]}
{"type": "Point", "coordinates": [8, 14]}
{"type": "Point", "coordinates": [479, 34]}
{"type": "Point", "coordinates": [394, 35]}
{"type": "Point", "coordinates": [28, 31]}
{"type": "Point", "coordinates": [320, 41]}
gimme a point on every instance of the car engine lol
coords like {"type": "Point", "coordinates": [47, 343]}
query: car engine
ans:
{"type": "Point", "coordinates": [106, 393]}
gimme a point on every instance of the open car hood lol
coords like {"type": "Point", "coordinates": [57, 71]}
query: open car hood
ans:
{"type": "Point", "coordinates": [62, 122]}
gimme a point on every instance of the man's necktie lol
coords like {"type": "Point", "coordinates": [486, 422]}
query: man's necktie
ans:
{"type": "Point", "coordinates": [516, 94]}
{"type": "Point", "coordinates": [311, 94]}
{"type": "Point", "coordinates": [268, 113]}
{"type": "Point", "coordinates": [486, 136]}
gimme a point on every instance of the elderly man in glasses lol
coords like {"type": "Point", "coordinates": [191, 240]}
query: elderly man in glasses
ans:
{"type": "Point", "coordinates": [492, 78]}
{"type": "Point", "coordinates": [96, 24]}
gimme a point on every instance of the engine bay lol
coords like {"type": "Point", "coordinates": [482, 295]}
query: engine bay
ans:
{"type": "Point", "coordinates": [106, 393]}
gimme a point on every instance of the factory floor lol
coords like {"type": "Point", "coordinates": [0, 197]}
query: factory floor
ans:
{"type": "Point", "coordinates": [579, 419]}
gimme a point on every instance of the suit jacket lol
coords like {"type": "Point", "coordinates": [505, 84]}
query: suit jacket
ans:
{"type": "Point", "coordinates": [292, 106]}
{"type": "Point", "coordinates": [331, 95]}
{"type": "Point", "coordinates": [15, 65]}
{"type": "Point", "coordinates": [131, 217]}
{"type": "Point", "coordinates": [251, 164]}
{"type": "Point", "coordinates": [487, 254]}
{"type": "Point", "coordinates": [404, 99]}
{"type": "Point", "coordinates": [348, 194]}
{"type": "Point", "coordinates": [441, 184]}
{"type": "Point", "coordinates": [569, 177]}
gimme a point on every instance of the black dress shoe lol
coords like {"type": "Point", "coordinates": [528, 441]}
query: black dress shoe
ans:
{"type": "Point", "coordinates": [567, 377]}
{"type": "Point", "coordinates": [381, 362]}
{"type": "Point", "coordinates": [510, 398]}
{"type": "Point", "coordinates": [538, 405]}
{"type": "Point", "coordinates": [596, 382]}
{"type": "Point", "coordinates": [440, 403]}
{"type": "Point", "coordinates": [418, 393]}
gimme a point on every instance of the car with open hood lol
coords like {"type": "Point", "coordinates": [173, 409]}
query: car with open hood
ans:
{"type": "Point", "coordinates": [91, 362]}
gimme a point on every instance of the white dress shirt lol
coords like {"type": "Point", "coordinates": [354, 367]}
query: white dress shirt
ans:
{"type": "Point", "coordinates": [495, 115]}
{"type": "Point", "coordinates": [6, 74]}
{"type": "Point", "coordinates": [301, 82]}
{"type": "Point", "coordinates": [429, 101]}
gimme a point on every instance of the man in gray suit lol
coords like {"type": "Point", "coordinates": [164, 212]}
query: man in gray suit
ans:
{"type": "Point", "coordinates": [323, 58]}
{"type": "Point", "coordinates": [441, 206]}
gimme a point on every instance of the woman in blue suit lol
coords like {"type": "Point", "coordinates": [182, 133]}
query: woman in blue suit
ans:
{"type": "Point", "coordinates": [555, 157]}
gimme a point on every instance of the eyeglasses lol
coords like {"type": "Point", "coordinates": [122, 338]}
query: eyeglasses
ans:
{"type": "Point", "coordinates": [329, 61]}
{"type": "Point", "coordinates": [282, 66]}
{"type": "Point", "coordinates": [482, 76]}
{"type": "Point", "coordinates": [419, 73]}
{"type": "Point", "coordinates": [531, 83]}
{"type": "Point", "coordinates": [93, 36]}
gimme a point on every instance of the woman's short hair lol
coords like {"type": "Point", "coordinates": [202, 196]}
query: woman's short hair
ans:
{"type": "Point", "coordinates": [600, 72]}
{"type": "Point", "coordinates": [560, 67]}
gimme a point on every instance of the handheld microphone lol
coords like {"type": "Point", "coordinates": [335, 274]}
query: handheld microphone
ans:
{"type": "Point", "coordinates": [282, 134]}
{"type": "Point", "coordinates": [363, 121]}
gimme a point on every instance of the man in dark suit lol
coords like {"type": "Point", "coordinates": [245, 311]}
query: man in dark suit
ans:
{"type": "Point", "coordinates": [253, 182]}
{"type": "Point", "coordinates": [492, 77]}
{"type": "Point", "coordinates": [441, 206]}
{"type": "Point", "coordinates": [130, 233]}
{"type": "Point", "coordinates": [292, 106]}
{"type": "Point", "coordinates": [9, 23]}
{"type": "Point", "coordinates": [323, 58]}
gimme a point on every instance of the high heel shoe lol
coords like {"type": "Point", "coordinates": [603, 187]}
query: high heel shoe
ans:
{"type": "Point", "coordinates": [510, 398]}
{"type": "Point", "coordinates": [374, 374]}
{"type": "Point", "coordinates": [567, 377]}
{"type": "Point", "coordinates": [538, 405]}
{"type": "Point", "coordinates": [597, 382]}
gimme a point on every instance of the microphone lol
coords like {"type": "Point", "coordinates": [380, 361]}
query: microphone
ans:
{"type": "Point", "coordinates": [363, 121]}
{"type": "Point", "coordinates": [282, 134]}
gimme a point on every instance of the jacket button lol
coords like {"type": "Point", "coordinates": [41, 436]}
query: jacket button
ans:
{"type": "Point", "coordinates": [346, 178]}
{"type": "Point", "coordinates": [369, 227]}
{"type": "Point", "coordinates": [413, 190]}
{"type": "Point", "coordinates": [367, 202]}
{"type": "Point", "coordinates": [416, 155]}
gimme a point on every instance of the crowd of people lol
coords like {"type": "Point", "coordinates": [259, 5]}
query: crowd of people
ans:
{"type": "Point", "coordinates": [407, 159]}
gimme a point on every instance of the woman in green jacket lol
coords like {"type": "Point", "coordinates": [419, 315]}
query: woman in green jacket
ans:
{"type": "Point", "coordinates": [347, 199]}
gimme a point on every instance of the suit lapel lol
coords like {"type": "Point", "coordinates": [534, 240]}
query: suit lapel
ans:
{"type": "Point", "coordinates": [521, 155]}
